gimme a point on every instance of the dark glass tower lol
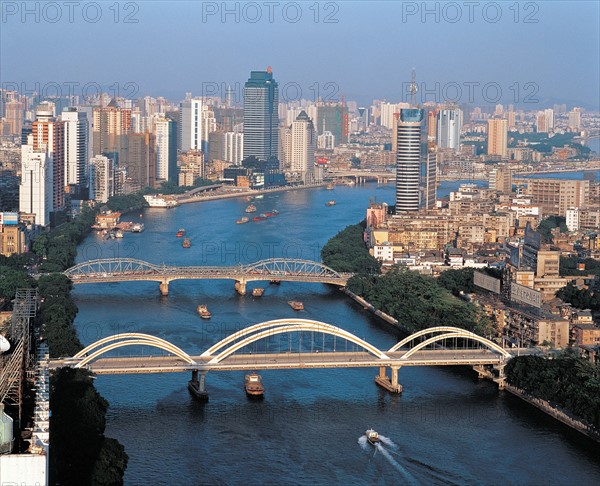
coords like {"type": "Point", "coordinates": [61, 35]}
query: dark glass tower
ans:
{"type": "Point", "coordinates": [261, 118]}
{"type": "Point", "coordinates": [408, 159]}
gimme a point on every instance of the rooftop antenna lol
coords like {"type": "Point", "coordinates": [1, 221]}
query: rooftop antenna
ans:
{"type": "Point", "coordinates": [413, 87]}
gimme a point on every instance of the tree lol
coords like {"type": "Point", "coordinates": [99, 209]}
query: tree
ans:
{"type": "Point", "coordinates": [11, 280]}
{"type": "Point", "coordinates": [457, 280]}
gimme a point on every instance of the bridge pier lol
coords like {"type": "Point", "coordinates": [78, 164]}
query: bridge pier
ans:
{"type": "Point", "coordinates": [164, 288]}
{"type": "Point", "coordinates": [240, 287]}
{"type": "Point", "coordinates": [197, 385]}
{"type": "Point", "coordinates": [392, 384]}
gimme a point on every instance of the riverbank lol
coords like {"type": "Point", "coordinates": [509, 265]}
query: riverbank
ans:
{"type": "Point", "coordinates": [559, 415]}
{"type": "Point", "coordinates": [246, 193]}
{"type": "Point", "coordinates": [382, 315]}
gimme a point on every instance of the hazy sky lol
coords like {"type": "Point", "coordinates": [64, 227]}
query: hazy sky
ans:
{"type": "Point", "coordinates": [539, 52]}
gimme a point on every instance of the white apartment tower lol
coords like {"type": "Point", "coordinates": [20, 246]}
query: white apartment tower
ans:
{"type": "Point", "coordinates": [102, 178]}
{"type": "Point", "coordinates": [302, 160]}
{"type": "Point", "coordinates": [190, 124]}
{"type": "Point", "coordinates": [161, 131]}
{"type": "Point", "coordinates": [75, 146]}
{"type": "Point", "coordinates": [35, 191]}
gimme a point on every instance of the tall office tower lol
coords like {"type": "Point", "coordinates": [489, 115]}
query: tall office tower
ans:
{"type": "Point", "coordinates": [234, 147]}
{"type": "Point", "coordinates": [285, 146]}
{"type": "Point", "coordinates": [190, 124]}
{"type": "Point", "coordinates": [449, 124]}
{"type": "Point", "coordinates": [35, 191]}
{"type": "Point", "coordinates": [430, 177]}
{"type": "Point", "coordinates": [76, 147]}
{"type": "Point", "coordinates": [408, 159]}
{"type": "Point", "coordinates": [14, 114]}
{"type": "Point", "coordinates": [208, 125]}
{"type": "Point", "coordinates": [261, 118]}
{"type": "Point", "coordinates": [331, 116]}
{"type": "Point", "coordinates": [110, 127]}
{"type": "Point", "coordinates": [501, 179]}
{"type": "Point", "coordinates": [304, 140]}
{"type": "Point", "coordinates": [141, 159]}
{"type": "Point", "coordinates": [575, 119]}
{"type": "Point", "coordinates": [432, 125]}
{"type": "Point", "coordinates": [50, 133]}
{"type": "Point", "coordinates": [165, 131]}
{"type": "Point", "coordinates": [101, 178]}
{"type": "Point", "coordinates": [497, 137]}
{"type": "Point", "coordinates": [326, 141]}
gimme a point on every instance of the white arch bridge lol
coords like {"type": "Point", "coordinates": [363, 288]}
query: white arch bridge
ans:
{"type": "Point", "coordinates": [129, 269]}
{"type": "Point", "coordinates": [316, 345]}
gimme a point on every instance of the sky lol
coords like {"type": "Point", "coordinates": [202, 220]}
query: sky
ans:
{"type": "Point", "coordinates": [531, 54]}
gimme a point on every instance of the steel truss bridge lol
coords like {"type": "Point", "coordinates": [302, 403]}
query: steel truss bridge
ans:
{"type": "Point", "coordinates": [128, 269]}
{"type": "Point", "coordinates": [436, 346]}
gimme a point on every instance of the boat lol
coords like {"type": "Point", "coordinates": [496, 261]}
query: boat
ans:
{"type": "Point", "coordinates": [180, 233]}
{"type": "Point", "coordinates": [329, 187]}
{"type": "Point", "coordinates": [254, 386]}
{"type": "Point", "coordinates": [119, 234]}
{"type": "Point", "coordinates": [158, 201]}
{"type": "Point", "coordinates": [204, 312]}
{"type": "Point", "coordinates": [372, 436]}
{"type": "Point", "coordinates": [251, 208]}
{"type": "Point", "coordinates": [261, 217]}
{"type": "Point", "coordinates": [243, 220]}
{"type": "Point", "coordinates": [296, 305]}
{"type": "Point", "coordinates": [273, 212]}
{"type": "Point", "coordinates": [137, 228]}
{"type": "Point", "coordinates": [330, 203]}
{"type": "Point", "coordinates": [257, 292]}
{"type": "Point", "coordinates": [274, 282]}
{"type": "Point", "coordinates": [260, 196]}
{"type": "Point", "coordinates": [186, 243]}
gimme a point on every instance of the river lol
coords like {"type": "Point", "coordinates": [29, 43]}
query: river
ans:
{"type": "Point", "coordinates": [445, 428]}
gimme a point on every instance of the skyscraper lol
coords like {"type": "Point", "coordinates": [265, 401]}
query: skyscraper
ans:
{"type": "Point", "coordinates": [190, 124]}
{"type": "Point", "coordinates": [101, 178]}
{"type": "Point", "coordinates": [35, 191]}
{"type": "Point", "coordinates": [303, 147]}
{"type": "Point", "coordinates": [449, 122]}
{"type": "Point", "coordinates": [76, 146]}
{"type": "Point", "coordinates": [497, 137]}
{"type": "Point", "coordinates": [165, 131]}
{"type": "Point", "coordinates": [408, 159]}
{"type": "Point", "coordinates": [261, 118]}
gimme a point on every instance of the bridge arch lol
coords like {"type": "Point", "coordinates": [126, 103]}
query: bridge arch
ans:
{"type": "Point", "coordinates": [274, 328]}
{"type": "Point", "coordinates": [464, 335]}
{"type": "Point", "coordinates": [281, 266]}
{"type": "Point", "coordinates": [128, 339]}
{"type": "Point", "coordinates": [112, 265]}
{"type": "Point", "coordinates": [425, 332]}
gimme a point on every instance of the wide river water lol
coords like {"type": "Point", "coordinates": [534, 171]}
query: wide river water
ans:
{"type": "Point", "coordinates": [445, 428]}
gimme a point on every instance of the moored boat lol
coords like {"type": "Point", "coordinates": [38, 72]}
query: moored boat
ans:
{"type": "Point", "coordinates": [186, 243]}
{"type": "Point", "coordinates": [330, 203]}
{"type": "Point", "coordinates": [251, 208]}
{"type": "Point", "coordinates": [296, 305]}
{"type": "Point", "coordinates": [257, 292]}
{"type": "Point", "coordinates": [372, 436]}
{"type": "Point", "coordinates": [261, 217]}
{"type": "Point", "coordinates": [243, 220]}
{"type": "Point", "coordinates": [180, 233]}
{"type": "Point", "coordinates": [329, 187]}
{"type": "Point", "coordinates": [137, 228]}
{"type": "Point", "coordinates": [119, 234]}
{"type": "Point", "coordinates": [204, 312]}
{"type": "Point", "coordinates": [273, 212]}
{"type": "Point", "coordinates": [254, 386]}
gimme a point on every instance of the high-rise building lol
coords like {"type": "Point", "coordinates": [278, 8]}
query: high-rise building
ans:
{"type": "Point", "coordinates": [408, 159]}
{"type": "Point", "coordinates": [497, 137]}
{"type": "Point", "coordinates": [190, 124]}
{"type": "Point", "coordinates": [331, 116]}
{"type": "Point", "coordinates": [261, 116]}
{"type": "Point", "coordinates": [208, 126]}
{"type": "Point", "coordinates": [575, 119]}
{"type": "Point", "coordinates": [449, 124]}
{"type": "Point", "coordinates": [326, 141]}
{"type": "Point", "coordinates": [75, 147]}
{"type": "Point", "coordinates": [110, 126]}
{"type": "Point", "coordinates": [165, 131]}
{"type": "Point", "coordinates": [501, 180]}
{"type": "Point", "coordinates": [50, 133]}
{"type": "Point", "coordinates": [432, 125]}
{"type": "Point", "coordinates": [102, 178]}
{"type": "Point", "coordinates": [510, 118]}
{"type": "Point", "coordinates": [302, 159]}
{"type": "Point", "coordinates": [141, 159]}
{"type": "Point", "coordinates": [430, 177]}
{"type": "Point", "coordinates": [35, 191]}
{"type": "Point", "coordinates": [556, 196]}
{"type": "Point", "coordinates": [234, 147]}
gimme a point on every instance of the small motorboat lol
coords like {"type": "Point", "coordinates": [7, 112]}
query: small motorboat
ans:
{"type": "Point", "coordinates": [257, 292]}
{"type": "Point", "coordinates": [251, 208]}
{"type": "Point", "coordinates": [180, 233]}
{"type": "Point", "coordinates": [372, 436]}
{"type": "Point", "coordinates": [204, 312]}
{"type": "Point", "coordinates": [330, 203]}
{"type": "Point", "coordinates": [243, 220]}
{"type": "Point", "coordinates": [253, 385]}
{"type": "Point", "coordinates": [186, 243]}
{"type": "Point", "coordinates": [296, 305]}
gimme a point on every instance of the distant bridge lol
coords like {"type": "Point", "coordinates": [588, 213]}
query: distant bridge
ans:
{"type": "Point", "coordinates": [436, 346]}
{"type": "Point", "coordinates": [361, 176]}
{"type": "Point", "coordinates": [128, 269]}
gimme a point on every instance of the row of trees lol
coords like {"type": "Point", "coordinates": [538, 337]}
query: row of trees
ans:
{"type": "Point", "coordinates": [568, 381]}
{"type": "Point", "coordinates": [580, 298]}
{"type": "Point", "coordinates": [346, 252]}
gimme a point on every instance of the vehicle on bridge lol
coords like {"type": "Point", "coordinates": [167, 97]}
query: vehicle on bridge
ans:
{"type": "Point", "coordinates": [254, 387]}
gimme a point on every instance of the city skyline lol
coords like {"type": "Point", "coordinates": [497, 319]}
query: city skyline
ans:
{"type": "Point", "coordinates": [362, 70]}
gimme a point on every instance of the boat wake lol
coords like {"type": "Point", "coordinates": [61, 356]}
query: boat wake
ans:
{"type": "Point", "coordinates": [380, 447]}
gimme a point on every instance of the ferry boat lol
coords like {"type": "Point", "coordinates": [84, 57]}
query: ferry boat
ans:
{"type": "Point", "coordinates": [243, 220]}
{"type": "Point", "coordinates": [180, 233]}
{"type": "Point", "coordinates": [204, 312]}
{"type": "Point", "coordinates": [296, 305]}
{"type": "Point", "coordinates": [251, 208]}
{"type": "Point", "coordinates": [254, 386]}
{"type": "Point", "coordinates": [372, 436]}
{"type": "Point", "coordinates": [158, 201]}
{"type": "Point", "coordinates": [261, 217]}
{"type": "Point", "coordinates": [257, 292]}
{"type": "Point", "coordinates": [330, 203]}
{"type": "Point", "coordinates": [186, 243]}
{"type": "Point", "coordinates": [137, 228]}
